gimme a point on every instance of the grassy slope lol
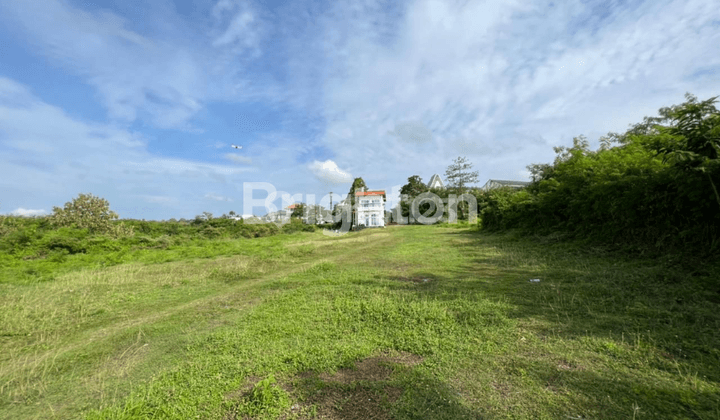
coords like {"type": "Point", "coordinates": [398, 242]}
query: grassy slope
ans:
{"type": "Point", "coordinates": [598, 337]}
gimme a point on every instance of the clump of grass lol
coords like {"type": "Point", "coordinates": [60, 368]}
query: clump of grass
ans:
{"type": "Point", "coordinates": [266, 400]}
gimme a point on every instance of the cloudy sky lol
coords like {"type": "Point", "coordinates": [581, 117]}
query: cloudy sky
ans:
{"type": "Point", "coordinates": [139, 102]}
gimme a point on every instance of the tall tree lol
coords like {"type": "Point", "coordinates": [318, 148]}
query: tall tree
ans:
{"type": "Point", "coordinates": [357, 185]}
{"type": "Point", "coordinates": [459, 174]}
{"type": "Point", "coordinates": [414, 187]}
{"type": "Point", "coordinates": [695, 144]}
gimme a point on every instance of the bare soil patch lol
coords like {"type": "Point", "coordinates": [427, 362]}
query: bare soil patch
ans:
{"type": "Point", "coordinates": [363, 392]}
{"type": "Point", "coordinates": [377, 368]}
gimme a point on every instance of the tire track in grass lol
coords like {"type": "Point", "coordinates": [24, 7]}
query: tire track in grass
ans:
{"type": "Point", "coordinates": [112, 335]}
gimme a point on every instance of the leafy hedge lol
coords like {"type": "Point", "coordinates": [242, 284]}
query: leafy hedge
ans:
{"type": "Point", "coordinates": [656, 187]}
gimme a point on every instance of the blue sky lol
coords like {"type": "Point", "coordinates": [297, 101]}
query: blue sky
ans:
{"type": "Point", "coordinates": [139, 102]}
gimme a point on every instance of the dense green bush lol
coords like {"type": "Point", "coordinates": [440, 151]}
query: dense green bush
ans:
{"type": "Point", "coordinates": [295, 225]}
{"type": "Point", "coordinates": [74, 241]}
{"type": "Point", "coordinates": [17, 239]}
{"type": "Point", "coordinates": [655, 187]}
{"type": "Point", "coordinates": [215, 228]}
{"type": "Point", "coordinates": [20, 232]}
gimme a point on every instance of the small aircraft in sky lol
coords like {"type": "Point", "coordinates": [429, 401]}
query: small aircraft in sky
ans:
{"type": "Point", "coordinates": [237, 147]}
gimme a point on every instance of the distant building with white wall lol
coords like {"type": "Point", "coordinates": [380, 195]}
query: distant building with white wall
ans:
{"type": "Point", "coordinates": [369, 209]}
{"type": "Point", "coordinates": [280, 216]}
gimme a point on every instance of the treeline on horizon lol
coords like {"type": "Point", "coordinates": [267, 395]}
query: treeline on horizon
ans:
{"type": "Point", "coordinates": [653, 188]}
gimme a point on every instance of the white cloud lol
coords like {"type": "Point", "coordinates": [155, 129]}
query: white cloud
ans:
{"type": "Point", "coordinates": [164, 81]}
{"type": "Point", "coordinates": [491, 80]}
{"type": "Point", "coordinates": [62, 157]}
{"type": "Point", "coordinates": [216, 197]}
{"type": "Point", "coordinates": [183, 166]}
{"type": "Point", "coordinates": [28, 212]}
{"type": "Point", "coordinates": [238, 158]}
{"type": "Point", "coordinates": [329, 172]}
{"type": "Point", "coordinates": [237, 30]}
{"type": "Point", "coordinates": [382, 90]}
{"type": "Point", "coordinates": [412, 132]}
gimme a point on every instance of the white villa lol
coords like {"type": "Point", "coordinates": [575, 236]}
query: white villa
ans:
{"type": "Point", "coordinates": [370, 209]}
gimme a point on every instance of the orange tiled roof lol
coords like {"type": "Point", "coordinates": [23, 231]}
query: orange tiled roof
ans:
{"type": "Point", "coordinates": [379, 192]}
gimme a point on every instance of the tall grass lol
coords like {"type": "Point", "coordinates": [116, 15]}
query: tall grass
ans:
{"type": "Point", "coordinates": [33, 251]}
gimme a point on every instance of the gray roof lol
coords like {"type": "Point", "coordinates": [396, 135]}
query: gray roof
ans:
{"type": "Point", "coordinates": [501, 182]}
{"type": "Point", "coordinates": [497, 183]}
{"type": "Point", "coordinates": [433, 179]}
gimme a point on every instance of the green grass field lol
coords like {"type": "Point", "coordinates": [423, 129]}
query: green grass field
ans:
{"type": "Point", "coordinates": [411, 322]}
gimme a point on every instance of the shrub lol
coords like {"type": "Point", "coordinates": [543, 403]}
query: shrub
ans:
{"type": "Point", "coordinates": [74, 241]}
{"type": "Point", "coordinates": [103, 243]}
{"type": "Point", "coordinates": [8, 224]}
{"type": "Point", "coordinates": [121, 230]}
{"type": "Point", "coordinates": [296, 225]}
{"type": "Point", "coordinates": [17, 239]}
{"type": "Point", "coordinates": [210, 232]}
{"type": "Point", "coordinates": [86, 211]}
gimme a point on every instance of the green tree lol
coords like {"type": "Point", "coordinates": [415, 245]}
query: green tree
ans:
{"type": "Point", "coordinates": [357, 185]}
{"type": "Point", "coordinates": [298, 211]}
{"type": "Point", "coordinates": [695, 138]}
{"type": "Point", "coordinates": [412, 189]}
{"type": "Point", "coordinates": [86, 211]}
{"type": "Point", "coordinates": [345, 209]}
{"type": "Point", "coordinates": [459, 174]}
